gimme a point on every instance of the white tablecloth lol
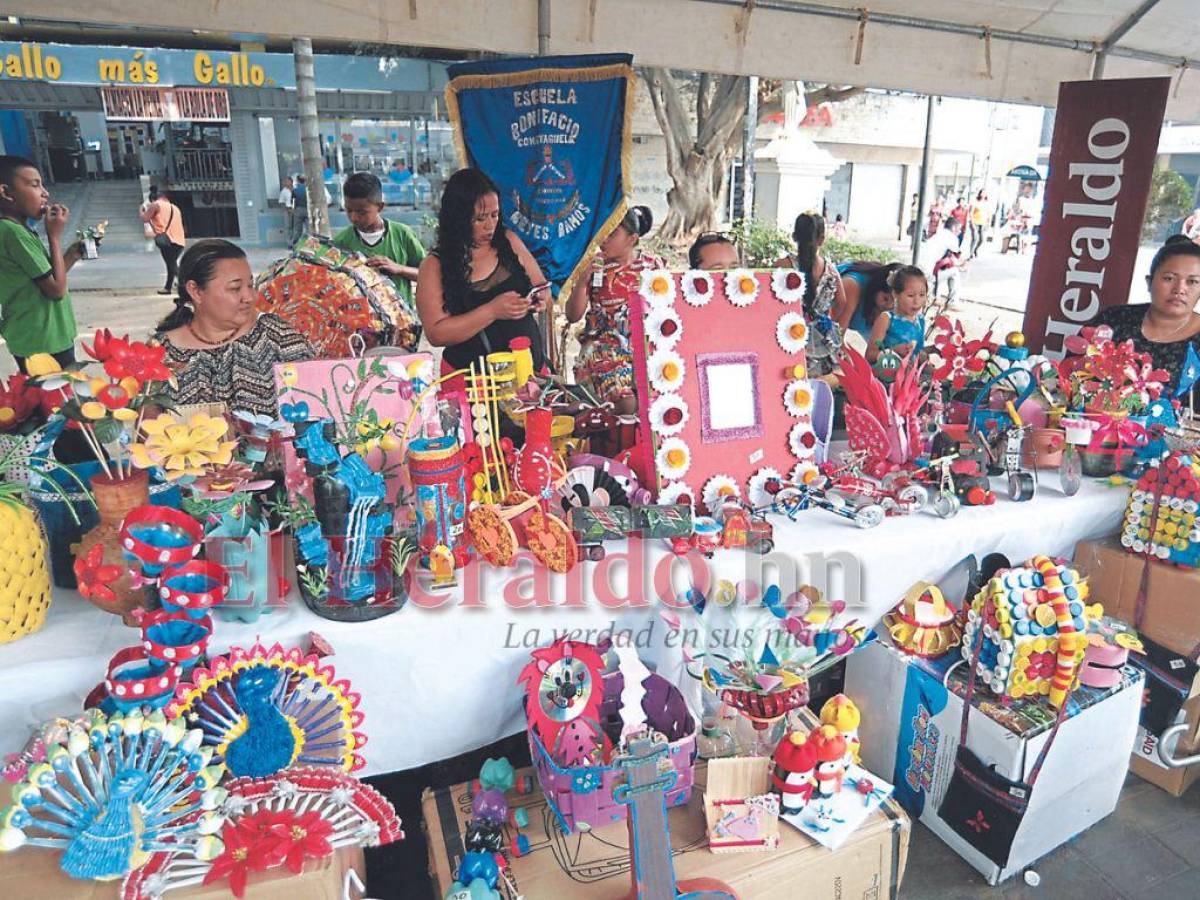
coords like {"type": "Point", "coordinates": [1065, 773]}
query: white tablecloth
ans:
{"type": "Point", "coordinates": [436, 683]}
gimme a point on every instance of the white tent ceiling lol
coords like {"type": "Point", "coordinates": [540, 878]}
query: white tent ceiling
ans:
{"type": "Point", "coordinates": [931, 46]}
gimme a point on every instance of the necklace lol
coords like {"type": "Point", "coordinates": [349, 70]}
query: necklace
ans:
{"type": "Point", "coordinates": [225, 340]}
{"type": "Point", "coordinates": [1178, 328]}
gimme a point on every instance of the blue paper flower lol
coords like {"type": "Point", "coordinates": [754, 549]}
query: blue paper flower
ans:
{"type": "Point", "coordinates": [294, 412]}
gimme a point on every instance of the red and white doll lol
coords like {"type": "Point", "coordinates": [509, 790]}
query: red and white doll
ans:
{"type": "Point", "coordinates": [830, 750]}
{"type": "Point", "coordinates": [792, 777]}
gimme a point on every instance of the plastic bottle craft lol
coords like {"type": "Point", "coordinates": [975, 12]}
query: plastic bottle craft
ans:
{"type": "Point", "coordinates": [264, 710]}
{"type": "Point", "coordinates": [1161, 518]}
{"type": "Point", "coordinates": [108, 796]}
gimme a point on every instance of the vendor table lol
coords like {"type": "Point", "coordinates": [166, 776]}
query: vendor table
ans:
{"type": "Point", "coordinates": [439, 682]}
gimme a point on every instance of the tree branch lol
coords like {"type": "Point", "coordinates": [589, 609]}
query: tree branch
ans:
{"type": "Point", "coordinates": [830, 94]}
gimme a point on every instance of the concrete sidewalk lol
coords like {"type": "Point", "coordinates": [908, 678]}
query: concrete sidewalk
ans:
{"type": "Point", "coordinates": [133, 272]}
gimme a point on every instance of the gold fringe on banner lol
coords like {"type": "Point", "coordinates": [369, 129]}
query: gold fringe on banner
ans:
{"type": "Point", "coordinates": [514, 79]}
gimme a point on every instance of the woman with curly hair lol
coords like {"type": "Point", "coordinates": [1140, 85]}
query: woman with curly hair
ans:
{"type": "Point", "coordinates": [475, 290]}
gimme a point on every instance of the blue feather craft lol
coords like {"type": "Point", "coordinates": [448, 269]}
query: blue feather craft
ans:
{"type": "Point", "coordinates": [261, 711]}
{"type": "Point", "coordinates": [112, 794]}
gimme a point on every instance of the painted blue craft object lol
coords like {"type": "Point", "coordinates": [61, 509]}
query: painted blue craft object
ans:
{"type": "Point", "coordinates": [312, 544]}
{"type": "Point", "coordinates": [497, 773]}
{"type": "Point", "coordinates": [478, 890]}
{"type": "Point", "coordinates": [179, 633]}
{"type": "Point", "coordinates": [358, 583]}
{"type": "Point", "coordinates": [267, 745]}
{"type": "Point", "coordinates": [112, 704]}
{"type": "Point", "coordinates": [773, 600]}
{"type": "Point", "coordinates": [479, 866]}
{"type": "Point", "coordinates": [364, 484]}
{"type": "Point", "coordinates": [104, 848]}
{"type": "Point", "coordinates": [1160, 416]}
{"type": "Point", "coordinates": [315, 447]}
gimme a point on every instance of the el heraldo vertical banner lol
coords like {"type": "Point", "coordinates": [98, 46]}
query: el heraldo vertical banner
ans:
{"type": "Point", "coordinates": [1101, 160]}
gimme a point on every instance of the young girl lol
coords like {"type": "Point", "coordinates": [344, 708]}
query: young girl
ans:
{"type": "Point", "coordinates": [824, 295]}
{"type": "Point", "coordinates": [605, 362]}
{"type": "Point", "coordinates": [903, 329]}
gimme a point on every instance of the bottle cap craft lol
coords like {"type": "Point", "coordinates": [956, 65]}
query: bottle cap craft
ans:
{"type": "Point", "coordinates": [1161, 517]}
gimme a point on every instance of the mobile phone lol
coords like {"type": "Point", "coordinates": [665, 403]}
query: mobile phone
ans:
{"type": "Point", "coordinates": [537, 289]}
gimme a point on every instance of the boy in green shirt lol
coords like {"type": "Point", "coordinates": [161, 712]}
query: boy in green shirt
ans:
{"type": "Point", "coordinates": [36, 315]}
{"type": "Point", "coordinates": [390, 247]}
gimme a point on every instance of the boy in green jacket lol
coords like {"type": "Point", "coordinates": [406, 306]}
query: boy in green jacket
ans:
{"type": "Point", "coordinates": [390, 247]}
{"type": "Point", "coordinates": [36, 315]}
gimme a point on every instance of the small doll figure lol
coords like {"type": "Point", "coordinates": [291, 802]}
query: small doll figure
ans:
{"type": "Point", "coordinates": [830, 751]}
{"type": "Point", "coordinates": [792, 777]}
{"type": "Point", "coordinates": [840, 712]}
{"type": "Point", "coordinates": [441, 565]}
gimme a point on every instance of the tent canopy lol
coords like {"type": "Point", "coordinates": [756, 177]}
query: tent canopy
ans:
{"type": "Point", "coordinates": [1016, 51]}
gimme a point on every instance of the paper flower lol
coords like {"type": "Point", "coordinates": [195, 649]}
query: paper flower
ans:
{"type": "Point", "coordinates": [101, 347]}
{"type": "Point", "coordinates": [94, 578]}
{"type": "Point", "coordinates": [219, 482]}
{"type": "Point", "coordinates": [668, 414]}
{"type": "Point", "coordinates": [697, 287]}
{"type": "Point", "coordinates": [658, 288]}
{"type": "Point", "coordinates": [792, 332]}
{"type": "Point", "coordinates": [664, 327]}
{"type": "Point", "coordinates": [801, 441]}
{"type": "Point", "coordinates": [301, 837]}
{"type": "Point", "coordinates": [805, 473]}
{"type": "Point", "coordinates": [788, 285]}
{"type": "Point", "coordinates": [244, 852]}
{"type": "Point", "coordinates": [718, 489]}
{"type": "Point", "coordinates": [741, 287]}
{"type": "Point", "coordinates": [798, 397]}
{"type": "Point", "coordinates": [183, 449]}
{"type": "Point", "coordinates": [673, 459]}
{"type": "Point", "coordinates": [666, 370]}
{"type": "Point", "coordinates": [676, 492]}
{"type": "Point", "coordinates": [756, 488]}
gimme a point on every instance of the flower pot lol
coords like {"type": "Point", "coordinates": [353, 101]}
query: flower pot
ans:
{"type": "Point", "coordinates": [1099, 463]}
{"type": "Point", "coordinates": [115, 499]}
{"type": "Point", "coordinates": [390, 595]}
{"type": "Point", "coordinates": [1043, 448]}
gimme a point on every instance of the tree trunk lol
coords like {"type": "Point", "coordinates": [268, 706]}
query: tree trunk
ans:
{"type": "Point", "coordinates": [692, 199]}
{"type": "Point", "coordinates": [310, 137]}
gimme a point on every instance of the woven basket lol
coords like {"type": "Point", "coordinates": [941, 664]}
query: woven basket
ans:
{"type": "Point", "coordinates": [581, 797]}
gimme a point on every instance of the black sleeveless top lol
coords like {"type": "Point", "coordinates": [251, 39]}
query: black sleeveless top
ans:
{"type": "Point", "coordinates": [496, 336]}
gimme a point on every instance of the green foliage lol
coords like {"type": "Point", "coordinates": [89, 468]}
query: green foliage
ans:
{"type": "Point", "coordinates": [842, 251]}
{"type": "Point", "coordinates": [1170, 199]}
{"type": "Point", "coordinates": [291, 513]}
{"type": "Point", "coordinates": [761, 242]}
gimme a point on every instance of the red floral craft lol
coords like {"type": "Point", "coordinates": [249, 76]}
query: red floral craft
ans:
{"type": "Point", "coordinates": [1104, 375]}
{"type": "Point", "coordinates": [246, 851]}
{"type": "Point", "coordinates": [101, 346]}
{"type": "Point", "coordinates": [302, 837]}
{"type": "Point", "coordinates": [961, 359]}
{"type": "Point", "coordinates": [94, 578]}
{"type": "Point", "coordinates": [18, 400]}
{"type": "Point", "coordinates": [265, 839]}
{"type": "Point", "coordinates": [136, 360]}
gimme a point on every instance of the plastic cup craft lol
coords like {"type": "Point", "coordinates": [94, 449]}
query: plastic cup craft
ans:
{"type": "Point", "coordinates": [136, 679]}
{"type": "Point", "coordinates": [193, 588]}
{"type": "Point", "coordinates": [176, 638]}
{"type": "Point", "coordinates": [156, 537]}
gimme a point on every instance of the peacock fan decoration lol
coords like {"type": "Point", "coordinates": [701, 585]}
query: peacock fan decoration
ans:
{"type": "Point", "coordinates": [113, 792]}
{"type": "Point", "coordinates": [263, 710]}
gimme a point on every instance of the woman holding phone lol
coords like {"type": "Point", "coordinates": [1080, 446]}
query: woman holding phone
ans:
{"type": "Point", "coordinates": [605, 362]}
{"type": "Point", "coordinates": [479, 287]}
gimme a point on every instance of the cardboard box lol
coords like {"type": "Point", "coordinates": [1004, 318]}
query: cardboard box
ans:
{"type": "Point", "coordinates": [910, 728]}
{"type": "Point", "coordinates": [595, 865]}
{"type": "Point", "coordinates": [34, 872]}
{"type": "Point", "coordinates": [1172, 697]}
{"type": "Point", "coordinates": [1172, 613]}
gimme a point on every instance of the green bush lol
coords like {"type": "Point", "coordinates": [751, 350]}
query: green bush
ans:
{"type": "Point", "coordinates": [842, 251]}
{"type": "Point", "coordinates": [761, 242]}
{"type": "Point", "coordinates": [1170, 200]}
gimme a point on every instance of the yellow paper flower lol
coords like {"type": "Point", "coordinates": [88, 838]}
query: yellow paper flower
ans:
{"type": "Point", "coordinates": [40, 364]}
{"type": "Point", "coordinates": [183, 449]}
{"type": "Point", "coordinates": [93, 410]}
{"type": "Point", "coordinates": [125, 414]}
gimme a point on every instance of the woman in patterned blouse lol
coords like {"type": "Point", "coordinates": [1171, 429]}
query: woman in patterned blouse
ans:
{"type": "Point", "coordinates": [221, 349]}
{"type": "Point", "coordinates": [1166, 325]}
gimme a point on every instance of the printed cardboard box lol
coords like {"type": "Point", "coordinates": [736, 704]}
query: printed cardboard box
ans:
{"type": "Point", "coordinates": [1172, 697]}
{"type": "Point", "coordinates": [910, 728]}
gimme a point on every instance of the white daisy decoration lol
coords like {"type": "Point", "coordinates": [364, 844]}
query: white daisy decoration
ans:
{"type": "Point", "coordinates": [788, 285]}
{"type": "Point", "coordinates": [801, 441]}
{"type": "Point", "coordinates": [798, 397]}
{"type": "Point", "coordinates": [666, 370]}
{"type": "Point", "coordinates": [698, 287]}
{"type": "Point", "coordinates": [741, 287]}
{"type": "Point", "coordinates": [718, 489]}
{"type": "Point", "coordinates": [756, 488]}
{"type": "Point", "coordinates": [792, 332]}
{"type": "Point", "coordinates": [676, 492]}
{"type": "Point", "coordinates": [664, 327]}
{"type": "Point", "coordinates": [805, 473]}
{"type": "Point", "coordinates": [658, 288]}
{"type": "Point", "coordinates": [668, 414]}
{"type": "Point", "coordinates": [673, 459]}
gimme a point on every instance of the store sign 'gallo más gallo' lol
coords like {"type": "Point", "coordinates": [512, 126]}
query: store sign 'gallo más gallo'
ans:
{"type": "Point", "coordinates": [1101, 162]}
{"type": "Point", "coordinates": [127, 65]}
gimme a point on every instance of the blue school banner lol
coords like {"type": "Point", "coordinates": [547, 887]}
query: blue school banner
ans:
{"type": "Point", "coordinates": [554, 134]}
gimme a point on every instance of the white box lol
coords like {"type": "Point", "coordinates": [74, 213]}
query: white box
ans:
{"type": "Point", "coordinates": [910, 727]}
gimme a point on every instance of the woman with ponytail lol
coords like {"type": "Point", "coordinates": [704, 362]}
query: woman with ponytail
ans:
{"type": "Point", "coordinates": [824, 295]}
{"type": "Point", "coordinates": [223, 352]}
{"type": "Point", "coordinates": [605, 362]}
